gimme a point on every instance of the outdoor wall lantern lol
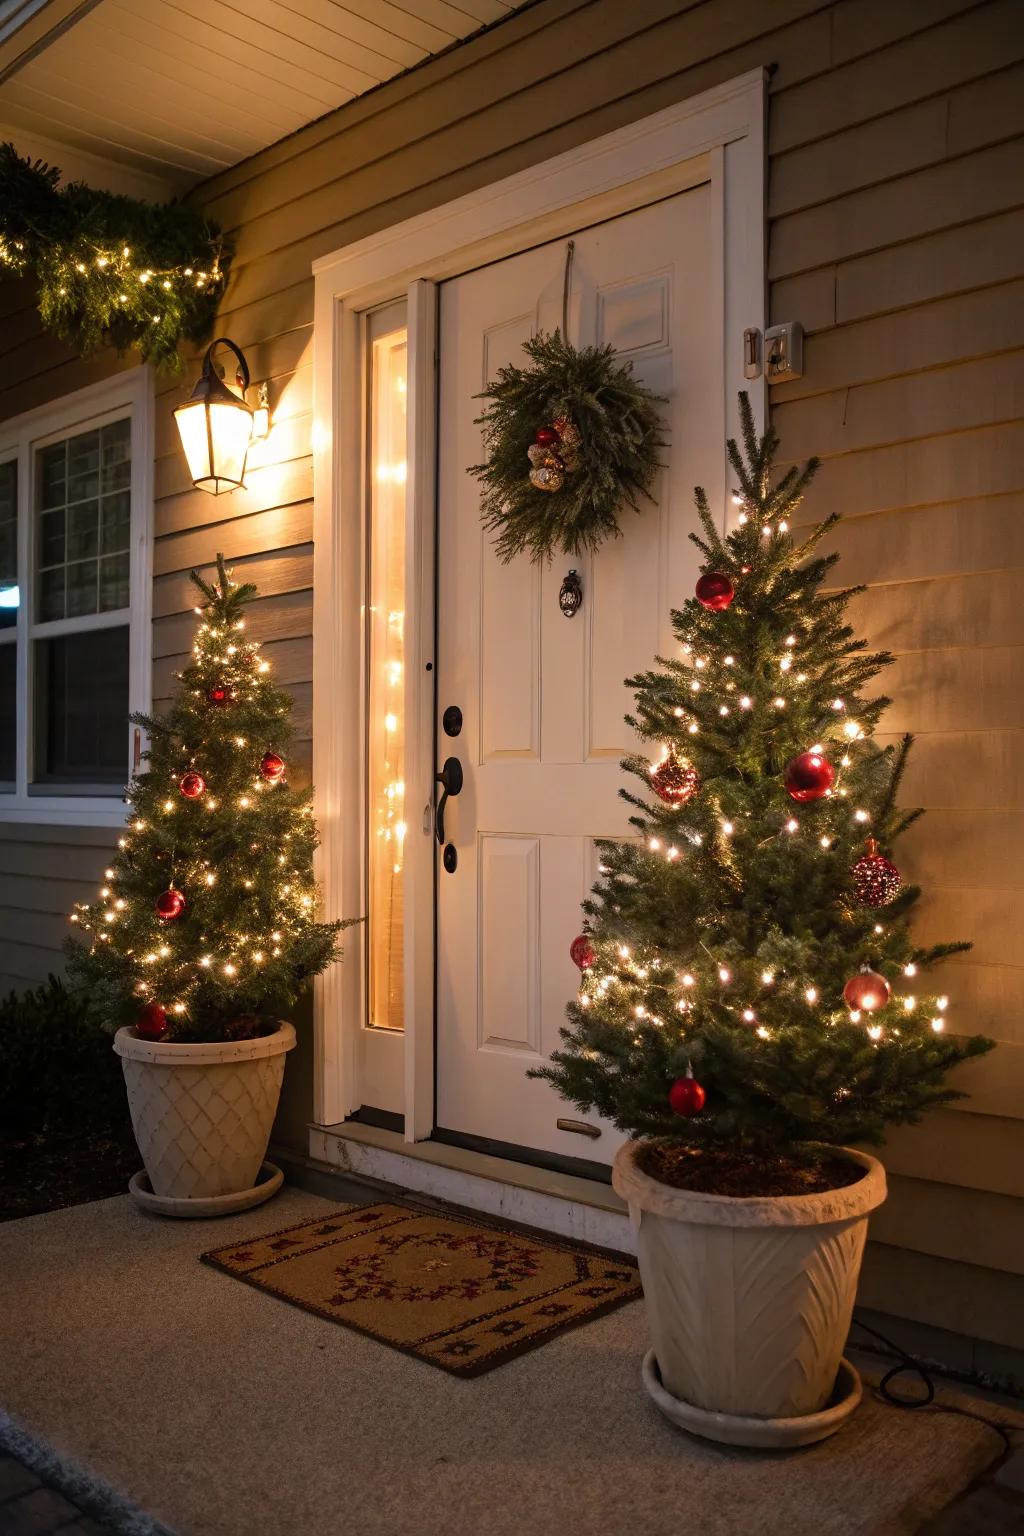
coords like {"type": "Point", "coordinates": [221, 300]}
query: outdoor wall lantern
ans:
{"type": "Point", "coordinates": [217, 426]}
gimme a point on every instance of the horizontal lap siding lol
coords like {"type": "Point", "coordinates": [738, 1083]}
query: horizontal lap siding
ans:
{"type": "Point", "coordinates": [43, 872]}
{"type": "Point", "coordinates": [896, 136]}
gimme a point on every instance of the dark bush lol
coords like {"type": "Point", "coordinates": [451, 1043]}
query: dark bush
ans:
{"type": "Point", "coordinates": [58, 1071]}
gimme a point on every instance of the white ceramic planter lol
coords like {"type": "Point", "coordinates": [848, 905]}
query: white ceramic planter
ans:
{"type": "Point", "coordinates": [749, 1300]}
{"type": "Point", "coordinates": [202, 1113]}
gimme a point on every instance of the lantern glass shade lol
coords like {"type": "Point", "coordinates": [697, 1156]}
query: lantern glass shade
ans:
{"type": "Point", "coordinates": [215, 426]}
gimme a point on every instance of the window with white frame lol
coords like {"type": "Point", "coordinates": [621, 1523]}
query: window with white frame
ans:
{"type": "Point", "coordinates": [75, 512]}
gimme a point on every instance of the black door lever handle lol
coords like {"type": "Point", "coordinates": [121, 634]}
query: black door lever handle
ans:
{"type": "Point", "coordinates": [450, 778]}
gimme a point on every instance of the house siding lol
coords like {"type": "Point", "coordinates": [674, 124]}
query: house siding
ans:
{"type": "Point", "coordinates": [896, 236]}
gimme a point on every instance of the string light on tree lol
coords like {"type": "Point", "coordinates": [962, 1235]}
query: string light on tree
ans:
{"type": "Point", "coordinates": [766, 971]}
{"type": "Point", "coordinates": [192, 899]}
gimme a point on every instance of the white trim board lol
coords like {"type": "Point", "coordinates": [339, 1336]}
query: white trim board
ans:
{"type": "Point", "coordinates": [718, 138]}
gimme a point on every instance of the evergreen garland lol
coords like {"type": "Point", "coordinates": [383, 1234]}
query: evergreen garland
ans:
{"type": "Point", "coordinates": [619, 429]}
{"type": "Point", "coordinates": [721, 940]}
{"type": "Point", "coordinates": [110, 269]}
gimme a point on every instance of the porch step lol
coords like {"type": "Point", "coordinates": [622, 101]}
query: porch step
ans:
{"type": "Point", "coordinates": [582, 1209]}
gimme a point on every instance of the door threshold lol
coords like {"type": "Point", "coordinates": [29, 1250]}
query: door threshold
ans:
{"type": "Point", "coordinates": [583, 1209]}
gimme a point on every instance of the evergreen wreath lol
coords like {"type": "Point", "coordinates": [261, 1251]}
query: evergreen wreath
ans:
{"type": "Point", "coordinates": [110, 269]}
{"type": "Point", "coordinates": [591, 433]}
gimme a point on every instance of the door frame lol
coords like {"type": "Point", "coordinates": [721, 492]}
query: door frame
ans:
{"type": "Point", "coordinates": [718, 138]}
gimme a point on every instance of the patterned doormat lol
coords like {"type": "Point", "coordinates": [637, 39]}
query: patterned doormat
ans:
{"type": "Point", "coordinates": [453, 1291]}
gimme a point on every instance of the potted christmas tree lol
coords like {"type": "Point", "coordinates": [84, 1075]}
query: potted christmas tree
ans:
{"type": "Point", "coordinates": [206, 930]}
{"type": "Point", "coordinates": [751, 999]}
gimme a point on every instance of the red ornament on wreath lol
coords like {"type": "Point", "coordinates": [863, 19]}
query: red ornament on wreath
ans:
{"type": "Point", "coordinates": [582, 952]}
{"type": "Point", "coordinates": [867, 992]}
{"type": "Point", "coordinates": [674, 780]}
{"type": "Point", "coordinates": [809, 776]}
{"type": "Point", "coordinates": [271, 767]}
{"type": "Point", "coordinates": [192, 785]}
{"type": "Point", "coordinates": [220, 694]}
{"type": "Point", "coordinates": [876, 880]}
{"type": "Point", "coordinates": [170, 905]}
{"type": "Point", "coordinates": [547, 437]}
{"type": "Point", "coordinates": [715, 591]}
{"type": "Point", "coordinates": [686, 1096]}
{"type": "Point", "coordinates": [151, 1023]}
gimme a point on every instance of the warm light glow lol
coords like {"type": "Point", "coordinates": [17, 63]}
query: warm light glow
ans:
{"type": "Point", "coordinates": [215, 436]}
{"type": "Point", "coordinates": [385, 722]}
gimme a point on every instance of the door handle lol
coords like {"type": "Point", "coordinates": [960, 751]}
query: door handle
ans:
{"type": "Point", "coordinates": [450, 778]}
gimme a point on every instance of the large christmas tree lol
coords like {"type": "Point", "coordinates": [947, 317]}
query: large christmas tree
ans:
{"type": "Point", "coordinates": [206, 927]}
{"type": "Point", "coordinates": [749, 979]}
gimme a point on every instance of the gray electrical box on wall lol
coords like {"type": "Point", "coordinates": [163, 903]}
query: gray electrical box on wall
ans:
{"type": "Point", "coordinates": [784, 352]}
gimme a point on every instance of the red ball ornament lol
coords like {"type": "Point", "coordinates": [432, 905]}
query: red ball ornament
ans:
{"type": "Point", "coordinates": [548, 437]}
{"type": "Point", "coordinates": [715, 591]}
{"type": "Point", "coordinates": [866, 992]}
{"type": "Point", "coordinates": [674, 780]}
{"type": "Point", "coordinates": [686, 1096]}
{"type": "Point", "coordinates": [876, 879]}
{"type": "Point", "coordinates": [192, 785]}
{"type": "Point", "coordinates": [272, 766]}
{"type": "Point", "coordinates": [582, 952]}
{"type": "Point", "coordinates": [151, 1023]}
{"type": "Point", "coordinates": [221, 694]}
{"type": "Point", "coordinates": [170, 905]}
{"type": "Point", "coordinates": [808, 777]}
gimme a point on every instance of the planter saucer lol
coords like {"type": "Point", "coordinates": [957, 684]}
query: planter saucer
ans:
{"type": "Point", "coordinates": [267, 1183]}
{"type": "Point", "coordinates": [765, 1434]}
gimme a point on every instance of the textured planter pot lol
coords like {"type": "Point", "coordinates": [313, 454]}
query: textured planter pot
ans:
{"type": "Point", "coordinates": [749, 1300]}
{"type": "Point", "coordinates": [202, 1113]}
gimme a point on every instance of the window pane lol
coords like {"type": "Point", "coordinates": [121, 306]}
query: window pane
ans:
{"type": "Point", "coordinates": [82, 588]}
{"type": "Point", "coordinates": [83, 530]}
{"type": "Point", "coordinates": [8, 544]}
{"type": "Point", "coordinates": [52, 473]}
{"type": "Point", "coordinates": [116, 456]}
{"type": "Point", "coordinates": [51, 538]}
{"type": "Point", "coordinates": [386, 656]}
{"type": "Point", "coordinates": [81, 707]}
{"type": "Point", "coordinates": [8, 722]}
{"type": "Point", "coordinates": [117, 512]}
{"type": "Point", "coordinates": [84, 511]}
{"type": "Point", "coordinates": [51, 594]}
{"type": "Point", "coordinates": [83, 466]}
{"type": "Point", "coordinates": [114, 583]}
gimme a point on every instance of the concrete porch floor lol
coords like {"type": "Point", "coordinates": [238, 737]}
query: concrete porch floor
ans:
{"type": "Point", "coordinates": [227, 1413]}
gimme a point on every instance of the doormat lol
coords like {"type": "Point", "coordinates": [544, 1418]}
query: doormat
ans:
{"type": "Point", "coordinates": [455, 1292]}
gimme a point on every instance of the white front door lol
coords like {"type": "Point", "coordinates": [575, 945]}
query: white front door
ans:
{"type": "Point", "coordinates": [542, 696]}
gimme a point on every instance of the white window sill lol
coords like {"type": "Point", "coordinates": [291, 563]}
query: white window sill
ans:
{"type": "Point", "coordinates": [64, 811]}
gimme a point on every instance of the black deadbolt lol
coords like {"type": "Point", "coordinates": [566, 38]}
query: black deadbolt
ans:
{"type": "Point", "coordinates": [451, 720]}
{"type": "Point", "coordinates": [450, 857]}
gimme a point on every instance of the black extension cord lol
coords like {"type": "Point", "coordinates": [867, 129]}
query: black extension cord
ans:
{"type": "Point", "coordinates": [911, 1365]}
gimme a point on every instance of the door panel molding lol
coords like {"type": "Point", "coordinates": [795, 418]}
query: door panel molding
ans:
{"type": "Point", "coordinates": [717, 137]}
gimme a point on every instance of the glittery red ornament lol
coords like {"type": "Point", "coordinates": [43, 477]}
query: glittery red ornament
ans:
{"type": "Point", "coordinates": [582, 952]}
{"type": "Point", "coordinates": [876, 879]}
{"type": "Point", "coordinates": [686, 1096]}
{"type": "Point", "coordinates": [808, 777]}
{"type": "Point", "coordinates": [272, 766]}
{"type": "Point", "coordinates": [866, 992]}
{"type": "Point", "coordinates": [674, 780]}
{"type": "Point", "coordinates": [547, 436]}
{"type": "Point", "coordinates": [715, 591]}
{"type": "Point", "coordinates": [151, 1023]}
{"type": "Point", "coordinates": [170, 905]}
{"type": "Point", "coordinates": [192, 785]}
{"type": "Point", "coordinates": [221, 693]}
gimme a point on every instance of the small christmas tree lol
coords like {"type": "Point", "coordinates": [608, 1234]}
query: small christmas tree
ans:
{"type": "Point", "coordinates": [206, 928]}
{"type": "Point", "coordinates": [741, 958]}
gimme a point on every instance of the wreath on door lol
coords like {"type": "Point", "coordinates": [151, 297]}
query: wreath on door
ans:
{"type": "Point", "coordinates": [570, 440]}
